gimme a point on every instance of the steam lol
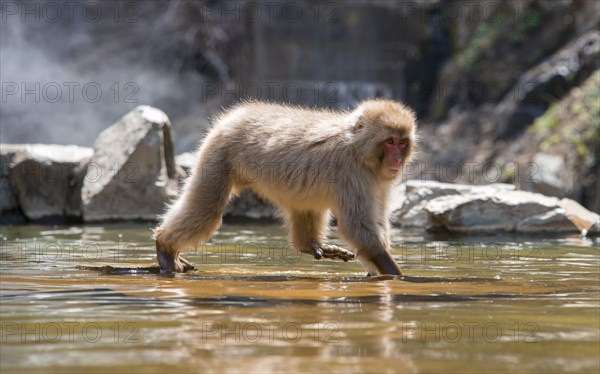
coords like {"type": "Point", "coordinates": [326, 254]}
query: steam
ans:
{"type": "Point", "coordinates": [63, 83]}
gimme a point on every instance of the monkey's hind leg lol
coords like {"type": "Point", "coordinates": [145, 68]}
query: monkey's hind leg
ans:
{"type": "Point", "coordinates": [307, 230]}
{"type": "Point", "coordinates": [168, 260]}
{"type": "Point", "coordinates": [194, 217]}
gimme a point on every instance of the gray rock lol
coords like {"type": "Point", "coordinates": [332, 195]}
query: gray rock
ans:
{"type": "Point", "coordinates": [553, 221]}
{"type": "Point", "coordinates": [9, 202]}
{"type": "Point", "coordinates": [417, 194]}
{"type": "Point", "coordinates": [46, 179]}
{"type": "Point", "coordinates": [8, 195]}
{"type": "Point", "coordinates": [186, 161]}
{"type": "Point", "coordinates": [133, 172]}
{"type": "Point", "coordinates": [511, 211]}
{"type": "Point", "coordinates": [585, 220]}
{"type": "Point", "coordinates": [548, 179]}
{"type": "Point", "coordinates": [490, 209]}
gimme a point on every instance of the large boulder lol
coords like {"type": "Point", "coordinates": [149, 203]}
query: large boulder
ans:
{"type": "Point", "coordinates": [490, 209]}
{"type": "Point", "coordinates": [45, 179]}
{"type": "Point", "coordinates": [133, 172]}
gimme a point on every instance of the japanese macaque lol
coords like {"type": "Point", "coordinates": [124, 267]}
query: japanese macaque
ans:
{"type": "Point", "coordinates": [307, 162]}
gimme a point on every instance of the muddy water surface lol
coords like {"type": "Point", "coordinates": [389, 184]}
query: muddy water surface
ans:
{"type": "Point", "coordinates": [89, 299]}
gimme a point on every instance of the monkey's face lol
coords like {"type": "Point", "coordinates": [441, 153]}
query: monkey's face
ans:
{"type": "Point", "coordinates": [394, 153]}
{"type": "Point", "coordinates": [385, 134]}
{"type": "Point", "coordinates": [386, 150]}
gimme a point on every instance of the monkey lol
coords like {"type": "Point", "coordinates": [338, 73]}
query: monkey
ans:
{"type": "Point", "coordinates": [308, 162]}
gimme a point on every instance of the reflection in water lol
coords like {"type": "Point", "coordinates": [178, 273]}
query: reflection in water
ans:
{"type": "Point", "coordinates": [91, 298]}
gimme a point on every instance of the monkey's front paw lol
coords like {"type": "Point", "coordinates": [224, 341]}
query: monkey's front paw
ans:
{"type": "Point", "coordinates": [333, 252]}
{"type": "Point", "coordinates": [173, 263]}
{"type": "Point", "coordinates": [182, 265]}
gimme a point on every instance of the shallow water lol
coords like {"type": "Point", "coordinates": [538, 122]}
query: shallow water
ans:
{"type": "Point", "coordinates": [88, 299]}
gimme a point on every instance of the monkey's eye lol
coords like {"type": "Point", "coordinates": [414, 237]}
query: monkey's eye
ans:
{"type": "Point", "coordinates": [403, 141]}
{"type": "Point", "coordinates": [390, 141]}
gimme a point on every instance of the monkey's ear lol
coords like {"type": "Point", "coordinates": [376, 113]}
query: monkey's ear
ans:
{"type": "Point", "coordinates": [358, 125]}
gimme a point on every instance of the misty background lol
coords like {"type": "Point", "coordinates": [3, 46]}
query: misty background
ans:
{"type": "Point", "coordinates": [69, 70]}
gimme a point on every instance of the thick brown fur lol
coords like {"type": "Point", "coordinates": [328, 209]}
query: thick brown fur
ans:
{"type": "Point", "coordinates": [307, 162]}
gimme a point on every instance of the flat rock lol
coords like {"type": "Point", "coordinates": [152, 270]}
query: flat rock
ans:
{"type": "Point", "coordinates": [45, 179]}
{"type": "Point", "coordinates": [410, 211]}
{"type": "Point", "coordinates": [490, 209]}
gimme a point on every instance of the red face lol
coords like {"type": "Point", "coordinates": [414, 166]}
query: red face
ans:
{"type": "Point", "coordinates": [394, 149]}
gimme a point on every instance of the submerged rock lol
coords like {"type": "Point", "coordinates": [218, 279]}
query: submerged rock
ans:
{"type": "Point", "coordinates": [45, 179]}
{"type": "Point", "coordinates": [489, 209]}
{"type": "Point", "coordinates": [133, 172]}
